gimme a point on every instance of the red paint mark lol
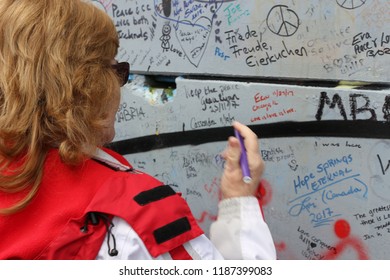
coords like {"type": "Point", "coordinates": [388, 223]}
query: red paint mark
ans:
{"type": "Point", "coordinates": [280, 246]}
{"type": "Point", "coordinates": [214, 185]}
{"type": "Point", "coordinates": [207, 188]}
{"type": "Point", "coordinates": [214, 188]}
{"type": "Point", "coordinates": [264, 192]}
{"type": "Point", "coordinates": [342, 228]}
{"type": "Point", "coordinates": [204, 216]}
{"type": "Point", "coordinates": [343, 245]}
{"type": "Point", "coordinates": [219, 195]}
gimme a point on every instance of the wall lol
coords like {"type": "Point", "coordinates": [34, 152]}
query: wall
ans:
{"type": "Point", "coordinates": [325, 192]}
{"type": "Point", "coordinates": [337, 39]}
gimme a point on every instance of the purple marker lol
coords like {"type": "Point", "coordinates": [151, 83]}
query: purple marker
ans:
{"type": "Point", "coordinates": [243, 159]}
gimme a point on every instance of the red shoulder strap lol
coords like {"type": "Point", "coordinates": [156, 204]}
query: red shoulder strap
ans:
{"type": "Point", "coordinates": [160, 216]}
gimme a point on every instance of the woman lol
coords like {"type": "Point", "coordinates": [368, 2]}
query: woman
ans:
{"type": "Point", "coordinates": [64, 196]}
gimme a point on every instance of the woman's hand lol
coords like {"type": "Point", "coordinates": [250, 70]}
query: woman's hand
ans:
{"type": "Point", "coordinates": [232, 184]}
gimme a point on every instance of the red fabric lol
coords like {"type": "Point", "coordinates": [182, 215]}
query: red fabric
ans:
{"type": "Point", "coordinates": [180, 253]}
{"type": "Point", "coordinates": [49, 228]}
{"type": "Point", "coordinates": [144, 219]}
{"type": "Point", "coordinates": [25, 234]}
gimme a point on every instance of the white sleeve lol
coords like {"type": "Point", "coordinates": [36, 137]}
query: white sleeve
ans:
{"type": "Point", "coordinates": [240, 231]}
{"type": "Point", "coordinates": [127, 243]}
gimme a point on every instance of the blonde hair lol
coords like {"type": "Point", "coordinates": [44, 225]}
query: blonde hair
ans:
{"type": "Point", "coordinates": [55, 83]}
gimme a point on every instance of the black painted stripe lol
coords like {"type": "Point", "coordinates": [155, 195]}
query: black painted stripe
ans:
{"type": "Point", "coordinates": [154, 194]}
{"type": "Point", "coordinates": [171, 230]}
{"type": "Point", "coordinates": [334, 128]}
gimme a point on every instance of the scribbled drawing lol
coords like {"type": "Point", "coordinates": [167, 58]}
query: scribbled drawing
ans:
{"type": "Point", "coordinates": [282, 21]}
{"type": "Point", "coordinates": [383, 164]}
{"type": "Point", "coordinates": [379, 167]}
{"type": "Point", "coordinates": [166, 36]}
{"type": "Point", "coordinates": [350, 4]}
{"type": "Point", "coordinates": [192, 22]}
{"type": "Point", "coordinates": [167, 179]}
{"type": "Point", "coordinates": [102, 4]}
{"type": "Point", "coordinates": [293, 165]}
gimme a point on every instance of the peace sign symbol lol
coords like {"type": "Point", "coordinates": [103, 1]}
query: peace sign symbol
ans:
{"type": "Point", "coordinates": [282, 21]}
{"type": "Point", "coordinates": [351, 4]}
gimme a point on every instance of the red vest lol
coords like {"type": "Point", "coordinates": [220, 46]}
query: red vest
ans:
{"type": "Point", "coordinates": [56, 225]}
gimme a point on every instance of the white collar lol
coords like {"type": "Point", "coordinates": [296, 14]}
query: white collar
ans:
{"type": "Point", "coordinates": [106, 158]}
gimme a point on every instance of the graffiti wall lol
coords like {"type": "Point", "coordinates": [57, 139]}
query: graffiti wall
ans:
{"type": "Point", "coordinates": [272, 65]}
{"type": "Point", "coordinates": [325, 192]}
{"type": "Point", "coordinates": [336, 39]}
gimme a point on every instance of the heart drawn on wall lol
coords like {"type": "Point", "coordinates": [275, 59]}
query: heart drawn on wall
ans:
{"type": "Point", "coordinates": [192, 21]}
{"type": "Point", "coordinates": [193, 38]}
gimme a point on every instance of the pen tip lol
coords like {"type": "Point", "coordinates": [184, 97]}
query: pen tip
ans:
{"type": "Point", "coordinates": [247, 179]}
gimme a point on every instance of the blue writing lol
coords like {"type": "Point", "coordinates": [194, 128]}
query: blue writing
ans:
{"type": "Point", "coordinates": [297, 209]}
